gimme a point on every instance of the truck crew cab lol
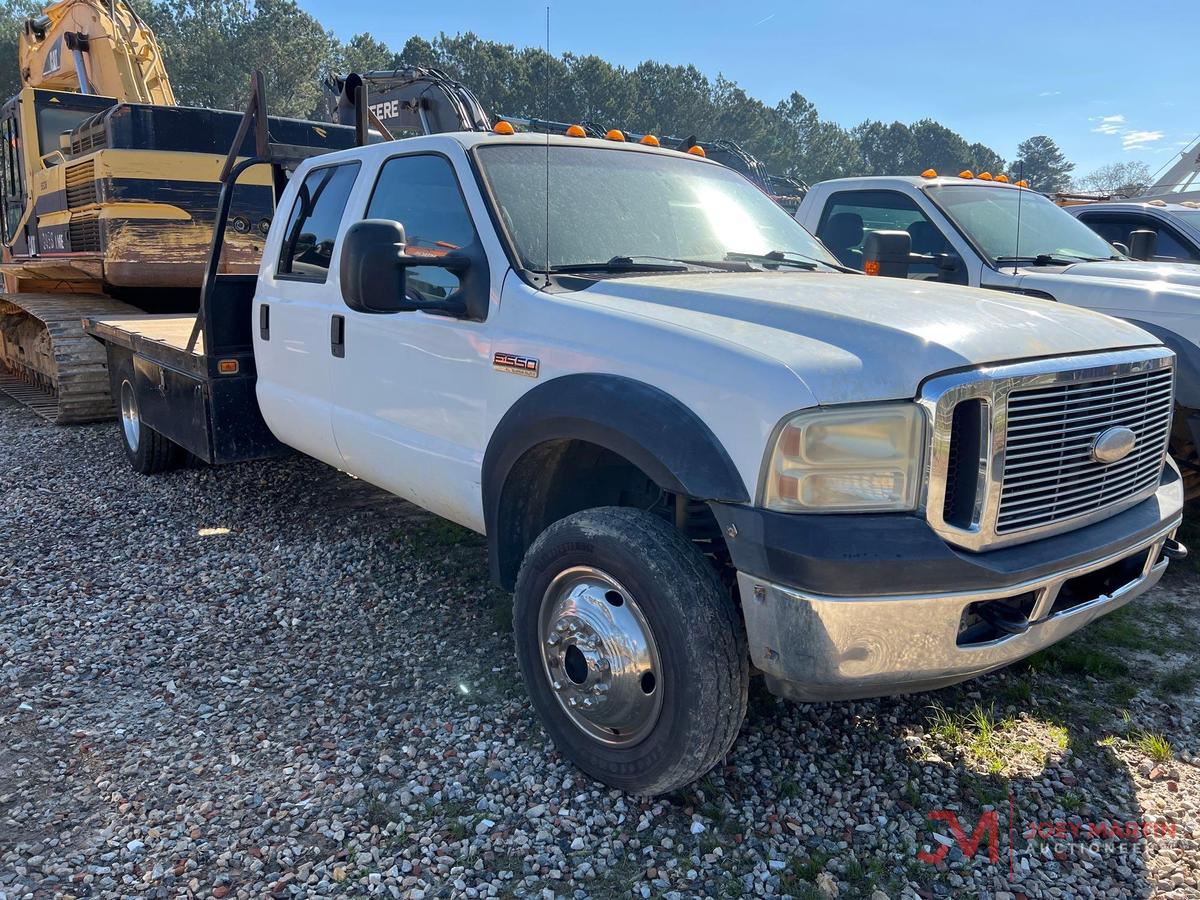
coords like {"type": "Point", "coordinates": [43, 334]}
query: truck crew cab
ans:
{"type": "Point", "coordinates": [992, 234]}
{"type": "Point", "coordinates": [697, 446]}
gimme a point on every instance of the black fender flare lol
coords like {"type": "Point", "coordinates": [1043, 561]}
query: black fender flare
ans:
{"type": "Point", "coordinates": [1187, 363]}
{"type": "Point", "coordinates": [639, 422]}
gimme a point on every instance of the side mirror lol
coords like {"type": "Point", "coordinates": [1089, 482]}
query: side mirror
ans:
{"type": "Point", "coordinates": [887, 253]}
{"type": "Point", "coordinates": [374, 267]}
{"type": "Point", "coordinates": [1143, 243]}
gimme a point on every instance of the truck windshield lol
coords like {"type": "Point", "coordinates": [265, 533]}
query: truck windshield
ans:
{"type": "Point", "coordinates": [1191, 216]}
{"type": "Point", "coordinates": [615, 204]}
{"type": "Point", "coordinates": [988, 217]}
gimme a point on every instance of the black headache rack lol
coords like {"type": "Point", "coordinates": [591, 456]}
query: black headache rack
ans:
{"type": "Point", "coordinates": [195, 376]}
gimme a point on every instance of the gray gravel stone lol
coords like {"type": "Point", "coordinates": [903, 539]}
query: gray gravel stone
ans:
{"type": "Point", "coordinates": [272, 680]}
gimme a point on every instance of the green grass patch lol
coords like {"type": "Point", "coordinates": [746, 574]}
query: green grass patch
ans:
{"type": "Point", "coordinates": [1081, 658]}
{"type": "Point", "coordinates": [1153, 745]}
{"type": "Point", "coordinates": [1179, 681]}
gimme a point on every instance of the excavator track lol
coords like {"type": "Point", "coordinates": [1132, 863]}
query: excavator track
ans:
{"type": "Point", "coordinates": [49, 363]}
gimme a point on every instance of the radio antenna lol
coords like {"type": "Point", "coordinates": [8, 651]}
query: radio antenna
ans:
{"type": "Point", "coordinates": [546, 117]}
{"type": "Point", "coordinates": [1020, 197]}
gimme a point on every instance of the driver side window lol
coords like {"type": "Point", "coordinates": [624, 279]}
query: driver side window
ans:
{"type": "Point", "coordinates": [851, 215]}
{"type": "Point", "coordinates": [421, 192]}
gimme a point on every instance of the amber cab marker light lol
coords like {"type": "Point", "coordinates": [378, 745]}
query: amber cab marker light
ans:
{"type": "Point", "coordinates": [576, 131]}
{"type": "Point", "coordinates": [1022, 183]}
{"type": "Point", "coordinates": [649, 140]}
{"type": "Point", "coordinates": [965, 173]}
{"type": "Point", "coordinates": [696, 150]}
{"type": "Point", "coordinates": [1002, 178]}
{"type": "Point", "coordinates": [985, 176]}
{"type": "Point", "coordinates": [871, 267]}
{"type": "Point", "coordinates": [503, 127]}
{"type": "Point", "coordinates": [929, 173]}
{"type": "Point", "coordinates": [227, 366]}
{"type": "Point", "coordinates": [615, 134]}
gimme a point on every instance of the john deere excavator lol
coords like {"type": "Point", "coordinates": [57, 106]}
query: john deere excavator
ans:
{"type": "Point", "coordinates": [109, 192]}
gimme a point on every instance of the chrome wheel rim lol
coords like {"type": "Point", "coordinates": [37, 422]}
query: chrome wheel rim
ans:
{"type": "Point", "coordinates": [600, 656]}
{"type": "Point", "coordinates": [131, 422]}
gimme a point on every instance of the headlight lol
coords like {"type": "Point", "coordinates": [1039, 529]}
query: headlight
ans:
{"type": "Point", "coordinates": [848, 459]}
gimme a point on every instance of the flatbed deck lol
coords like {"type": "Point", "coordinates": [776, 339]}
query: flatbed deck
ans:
{"type": "Point", "coordinates": [163, 338]}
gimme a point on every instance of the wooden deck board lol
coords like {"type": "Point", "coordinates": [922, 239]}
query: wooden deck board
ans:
{"type": "Point", "coordinates": [171, 330]}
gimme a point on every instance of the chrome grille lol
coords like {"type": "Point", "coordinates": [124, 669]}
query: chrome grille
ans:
{"type": "Point", "coordinates": [1049, 472]}
{"type": "Point", "coordinates": [1027, 469]}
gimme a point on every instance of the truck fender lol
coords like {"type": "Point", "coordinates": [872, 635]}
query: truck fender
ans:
{"type": "Point", "coordinates": [1187, 363]}
{"type": "Point", "coordinates": [641, 423]}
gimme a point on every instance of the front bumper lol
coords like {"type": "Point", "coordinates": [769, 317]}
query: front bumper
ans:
{"type": "Point", "coordinates": [904, 627]}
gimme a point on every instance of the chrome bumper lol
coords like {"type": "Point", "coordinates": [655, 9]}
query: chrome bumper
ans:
{"type": "Point", "coordinates": [814, 648]}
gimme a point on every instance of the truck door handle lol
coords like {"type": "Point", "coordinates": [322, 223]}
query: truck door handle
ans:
{"type": "Point", "coordinates": [264, 322]}
{"type": "Point", "coordinates": [337, 335]}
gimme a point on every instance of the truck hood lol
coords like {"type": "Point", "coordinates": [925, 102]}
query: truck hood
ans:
{"type": "Point", "coordinates": [852, 338]}
{"type": "Point", "coordinates": [1173, 273]}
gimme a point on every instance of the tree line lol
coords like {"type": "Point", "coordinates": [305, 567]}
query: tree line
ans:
{"type": "Point", "coordinates": [210, 45]}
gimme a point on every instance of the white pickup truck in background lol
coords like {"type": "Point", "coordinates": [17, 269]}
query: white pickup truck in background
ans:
{"type": "Point", "coordinates": [995, 235]}
{"type": "Point", "coordinates": [696, 446]}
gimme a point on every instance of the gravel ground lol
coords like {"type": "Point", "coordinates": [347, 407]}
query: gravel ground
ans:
{"type": "Point", "coordinates": [270, 680]}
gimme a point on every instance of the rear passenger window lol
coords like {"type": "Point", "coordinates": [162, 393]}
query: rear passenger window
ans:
{"type": "Point", "coordinates": [313, 224]}
{"type": "Point", "coordinates": [421, 192]}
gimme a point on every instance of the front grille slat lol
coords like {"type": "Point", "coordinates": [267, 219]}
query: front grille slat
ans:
{"type": "Point", "coordinates": [1060, 513]}
{"type": "Point", "coordinates": [1049, 474]}
{"type": "Point", "coordinates": [1059, 443]}
{"type": "Point", "coordinates": [1034, 398]}
{"type": "Point", "coordinates": [1072, 471]}
{"type": "Point", "coordinates": [1132, 405]}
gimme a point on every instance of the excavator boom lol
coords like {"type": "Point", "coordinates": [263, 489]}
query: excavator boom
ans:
{"type": "Point", "coordinates": [94, 47]}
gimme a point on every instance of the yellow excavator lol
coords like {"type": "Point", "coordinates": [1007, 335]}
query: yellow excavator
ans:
{"type": "Point", "coordinates": [109, 193]}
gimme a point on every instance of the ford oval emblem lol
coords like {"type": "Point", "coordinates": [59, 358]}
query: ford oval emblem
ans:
{"type": "Point", "coordinates": [1113, 445]}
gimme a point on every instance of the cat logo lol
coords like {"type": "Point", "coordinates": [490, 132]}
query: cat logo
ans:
{"type": "Point", "coordinates": [53, 58]}
{"type": "Point", "coordinates": [517, 365]}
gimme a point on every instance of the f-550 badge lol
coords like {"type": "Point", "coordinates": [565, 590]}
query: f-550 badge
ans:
{"type": "Point", "coordinates": [517, 365]}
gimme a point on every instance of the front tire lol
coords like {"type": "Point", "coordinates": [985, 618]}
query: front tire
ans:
{"type": "Point", "coordinates": [147, 450]}
{"type": "Point", "coordinates": [632, 652]}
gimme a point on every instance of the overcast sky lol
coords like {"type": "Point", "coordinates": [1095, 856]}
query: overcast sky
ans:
{"type": "Point", "coordinates": [1108, 81]}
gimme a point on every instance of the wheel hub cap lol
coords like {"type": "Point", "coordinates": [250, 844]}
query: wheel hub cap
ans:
{"type": "Point", "coordinates": [131, 422]}
{"type": "Point", "coordinates": [600, 656]}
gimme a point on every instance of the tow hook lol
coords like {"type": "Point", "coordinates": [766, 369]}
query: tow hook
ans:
{"type": "Point", "coordinates": [1003, 618]}
{"type": "Point", "coordinates": [1172, 549]}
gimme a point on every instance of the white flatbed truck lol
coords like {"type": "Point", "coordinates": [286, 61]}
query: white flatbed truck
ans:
{"type": "Point", "coordinates": [697, 446]}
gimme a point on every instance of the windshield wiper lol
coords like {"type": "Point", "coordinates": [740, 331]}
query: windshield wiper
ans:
{"type": "Point", "coordinates": [619, 264]}
{"type": "Point", "coordinates": [791, 258]}
{"type": "Point", "coordinates": [773, 258]}
{"type": "Point", "coordinates": [653, 264]}
{"type": "Point", "coordinates": [1045, 259]}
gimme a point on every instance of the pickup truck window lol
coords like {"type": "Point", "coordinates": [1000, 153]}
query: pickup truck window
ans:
{"type": "Point", "coordinates": [1116, 228]}
{"type": "Point", "coordinates": [850, 216]}
{"type": "Point", "coordinates": [313, 224]}
{"type": "Point", "coordinates": [614, 203]}
{"type": "Point", "coordinates": [422, 193]}
{"type": "Point", "coordinates": [988, 218]}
